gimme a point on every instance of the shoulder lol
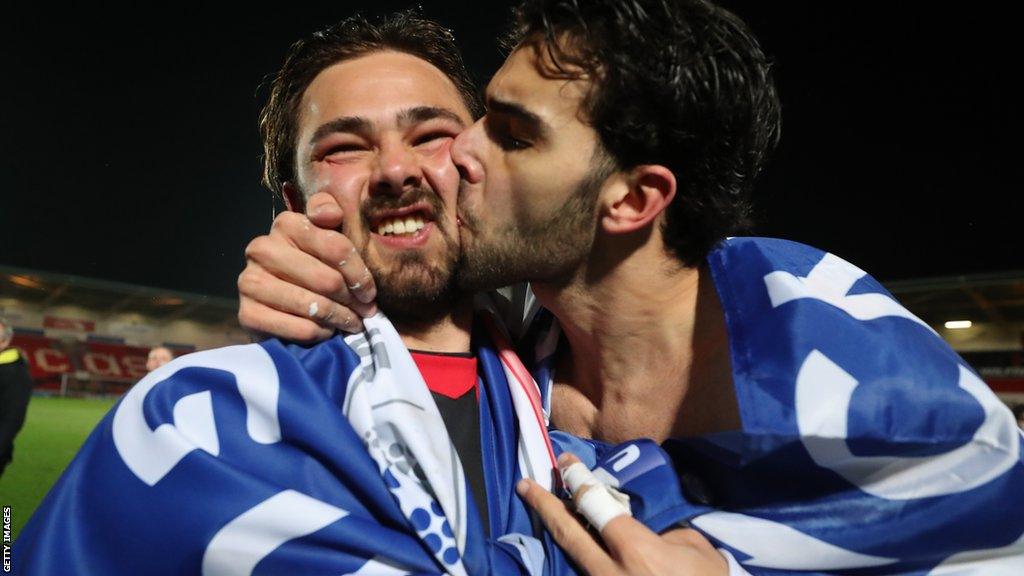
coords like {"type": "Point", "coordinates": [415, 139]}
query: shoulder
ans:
{"type": "Point", "coordinates": [807, 328]}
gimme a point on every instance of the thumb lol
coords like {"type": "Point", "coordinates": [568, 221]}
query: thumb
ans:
{"type": "Point", "coordinates": [324, 211]}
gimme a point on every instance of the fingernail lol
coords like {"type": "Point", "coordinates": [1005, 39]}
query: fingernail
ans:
{"type": "Point", "coordinates": [371, 311]}
{"type": "Point", "coordinates": [366, 296]}
{"type": "Point", "coordinates": [564, 459]}
{"type": "Point", "coordinates": [316, 211]}
{"type": "Point", "coordinates": [522, 487]}
{"type": "Point", "coordinates": [352, 326]}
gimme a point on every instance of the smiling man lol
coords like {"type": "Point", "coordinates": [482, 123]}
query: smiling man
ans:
{"type": "Point", "coordinates": [817, 424]}
{"type": "Point", "coordinates": [392, 451]}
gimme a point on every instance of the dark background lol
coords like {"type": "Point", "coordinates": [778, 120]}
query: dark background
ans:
{"type": "Point", "coordinates": [129, 147]}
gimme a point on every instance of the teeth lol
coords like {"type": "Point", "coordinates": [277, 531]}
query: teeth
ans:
{"type": "Point", "coordinates": [407, 225]}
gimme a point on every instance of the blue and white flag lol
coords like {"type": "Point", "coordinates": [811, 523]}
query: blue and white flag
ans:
{"type": "Point", "coordinates": [868, 446]}
{"type": "Point", "coordinates": [278, 459]}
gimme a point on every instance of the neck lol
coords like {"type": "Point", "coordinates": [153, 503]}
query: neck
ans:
{"type": "Point", "coordinates": [449, 332]}
{"type": "Point", "coordinates": [649, 349]}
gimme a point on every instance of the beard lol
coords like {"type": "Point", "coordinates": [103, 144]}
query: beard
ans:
{"type": "Point", "coordinates": [413, 287]}
{"type": "Point", "coordinates": [546, 251]}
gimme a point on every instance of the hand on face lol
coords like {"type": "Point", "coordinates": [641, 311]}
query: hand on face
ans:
{"type": "Point", "coordinates": [629, 546]}
{"type": "Point", "coordinates": [373, 158]}
{"type": "Point", "coordinates": [304, 280]}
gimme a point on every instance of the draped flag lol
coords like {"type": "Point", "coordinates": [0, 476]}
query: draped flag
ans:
{"type": "Point", "coordinates": [868, 446]}
{"type": "Point", "coordinates": [279, 459]}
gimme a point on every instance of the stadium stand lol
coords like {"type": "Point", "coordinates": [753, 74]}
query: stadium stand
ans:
{"type": "Point", "coordinates": [88, 336]}
{"type": "Point", "coordinates": [84, 336]}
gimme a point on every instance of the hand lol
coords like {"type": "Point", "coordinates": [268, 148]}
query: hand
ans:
{"type": "Point", "coordinates": [304, 280]}
{"type": "Point", "coordinates": [630, 547]}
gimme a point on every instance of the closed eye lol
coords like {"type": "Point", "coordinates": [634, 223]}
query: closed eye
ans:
{"type": "Point", "coordinates": [343, 148]}
{"type": "Point", "coordinates": [513, 144]}
{"type": "Point", "coordinates": [430, 137]}
{"type": "Point", "coordinates": [500, 132]}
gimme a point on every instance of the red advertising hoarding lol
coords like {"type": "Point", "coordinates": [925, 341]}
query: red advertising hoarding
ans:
{"type": "Point", "coordinates": [50, 358]}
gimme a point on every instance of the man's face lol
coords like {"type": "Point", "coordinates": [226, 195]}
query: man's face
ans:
{"type": "Point", "coordinates": [157, 358]}
{"type": "Point", "coordinates": [528, 198]}
{"type": "Point", "coordinates": [375, 132]}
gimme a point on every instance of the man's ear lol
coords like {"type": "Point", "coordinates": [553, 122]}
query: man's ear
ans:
{"type": "Point", "coordinates": [293, 199]}
{"type": "Point", "coordinates": [643, 194]}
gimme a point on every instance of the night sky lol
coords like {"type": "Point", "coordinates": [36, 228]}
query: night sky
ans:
{"type": "Point", "coordinates": [130, 149]}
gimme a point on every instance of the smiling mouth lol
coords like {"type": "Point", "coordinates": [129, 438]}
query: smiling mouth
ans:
{"type": "Point", "coordinates": [402, 222]}
{"type": "Point", "coordinates": [401, 225]}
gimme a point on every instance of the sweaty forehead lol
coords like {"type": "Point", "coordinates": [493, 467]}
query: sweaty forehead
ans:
{"type": "Point", "coordinates": [377, 87]}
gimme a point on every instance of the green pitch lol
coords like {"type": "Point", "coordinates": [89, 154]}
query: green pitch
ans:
{"type": "Point", "coordinates": [54, 430]}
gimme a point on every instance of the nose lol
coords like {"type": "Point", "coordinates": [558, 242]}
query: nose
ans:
{"type": "Point", "coordinates": [466, 151]}
{"type": "Point", "coordinates": [397, 169]}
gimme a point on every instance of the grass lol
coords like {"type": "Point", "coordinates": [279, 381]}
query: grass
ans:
{"type": "Point", "coordinates": [54, 430]}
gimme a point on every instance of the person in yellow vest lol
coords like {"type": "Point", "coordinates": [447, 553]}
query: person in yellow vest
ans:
{"type": "Point", "coordinates": [15, 391]}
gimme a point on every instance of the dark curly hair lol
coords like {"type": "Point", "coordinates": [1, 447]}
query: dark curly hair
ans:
{"type": "Point", "coordinates": [405, 31]}
{"type": "Point", "coordinates": [681, 83]}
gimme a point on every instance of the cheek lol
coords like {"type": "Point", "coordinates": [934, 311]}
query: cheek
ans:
{"type": "Point", "coordinates": [539, 188]}
{"type": "Point", "coordinates": [528, 190]}
{"type": "Point", "coordinates": [344, 183]}
{"type": "Point", "coordinates": [441, 173]}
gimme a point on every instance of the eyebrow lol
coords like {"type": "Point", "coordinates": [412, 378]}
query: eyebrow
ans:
{"type": "Point", "coordinates": [406, 118]}
{"type": "Point", "coordinates": [351, 124]}
{"type": "Point", "coordinates": [531, 119]}
{"type": "Point", "coordinates": [424, 113]}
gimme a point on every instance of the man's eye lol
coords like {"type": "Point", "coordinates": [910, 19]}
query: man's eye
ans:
{"type": "Point", "coordinates": [342, 149]}
{"type": "Point", "coordinates": [510, 143]}
{"type": "Point", "coordinates": [431, 137]}
{"type": "Point", "coordinates": [501, 134]}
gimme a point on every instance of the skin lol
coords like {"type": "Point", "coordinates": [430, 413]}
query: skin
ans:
{"type": "Point", "coordinates": [647, 336]}
{"type": "Point", "coordinates": [629, 547]}
{"type": "Point", "coordinates": [528, 198]}
{"type": "Point", "coordinates": [625, 304]}
{"type": "Point", "coordinates": [158, 357]}
{"type": "Point", "coordinates": [372, 132]}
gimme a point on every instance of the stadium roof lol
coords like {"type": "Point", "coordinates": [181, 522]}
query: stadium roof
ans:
{"type": "Point", "coordinates": [989, 298]}
{"type": "Point", "coordinates": [46, 289]}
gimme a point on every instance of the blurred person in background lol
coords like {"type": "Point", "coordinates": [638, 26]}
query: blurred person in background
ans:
{"type": "Point", "coordinates": [158, 357]}
{"type": "Point", "coordinates": [15, 391]}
